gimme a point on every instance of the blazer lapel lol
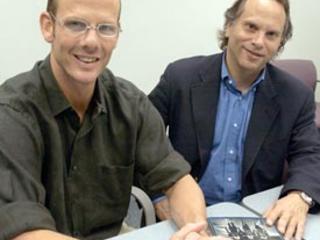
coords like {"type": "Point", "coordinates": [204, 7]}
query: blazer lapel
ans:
{"type": "Point", "coordinates": [264, 112]}
{"type": "Point", "coordinates": [204, 100]}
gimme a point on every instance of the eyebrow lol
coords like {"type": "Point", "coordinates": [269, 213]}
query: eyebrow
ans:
{"type": "Point", "coordinates": [277, 31]}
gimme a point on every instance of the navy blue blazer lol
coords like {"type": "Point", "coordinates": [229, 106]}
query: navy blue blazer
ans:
{"type": "Point", "coordinates": [281, 124]}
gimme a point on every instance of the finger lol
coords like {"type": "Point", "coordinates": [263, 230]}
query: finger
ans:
{"type": "Point", "coordinates": [268, 210]}
{"type": "Point", "coordinates": [192, 236]}
{"type": "Point", "coordinates": [162, 208]}
{"type": "Point", "coordinates": [198, 226]}
{"type": "Point", "coordinates": [273, 215]}
{"type": "Point", "coordinates": [282, 222]}
{"type": "Point", "coordinates": [300, 229]}
{"type": "Point", "coordinates": [291, 228]}
{"type": "Point", "coordinates": [190, 227]}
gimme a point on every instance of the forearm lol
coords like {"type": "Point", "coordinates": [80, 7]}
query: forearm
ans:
{"type": "Point", "coordinates": [186, 202]}
{"type": "Point", "coordinates": [41, 235]}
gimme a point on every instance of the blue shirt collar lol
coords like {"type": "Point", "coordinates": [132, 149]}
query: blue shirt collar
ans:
{"type": "Point", "coordinates": [230, 83]}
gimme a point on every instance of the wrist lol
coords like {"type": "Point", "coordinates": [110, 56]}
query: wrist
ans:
{"type": "Point", "coordinates": [306, 198]}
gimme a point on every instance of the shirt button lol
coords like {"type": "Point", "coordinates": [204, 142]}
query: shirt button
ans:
{"type": "Point", "coordinates": [75, 168]}
{"type": "Point", "coordinates": [231, 152]}
{"type": "Point", "coordinates": [235, 125]}
{"type": "Point", "coordinates": [230, 82]}
{"type": "Point", "coordinates": [229, 179]}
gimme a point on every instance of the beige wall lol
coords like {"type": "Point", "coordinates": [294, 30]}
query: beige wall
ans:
{"type": "Point", "coordinates": [155, 32]}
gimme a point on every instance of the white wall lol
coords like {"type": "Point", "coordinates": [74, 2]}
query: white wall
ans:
{"type": "Point", "coordinates": [154, 34]}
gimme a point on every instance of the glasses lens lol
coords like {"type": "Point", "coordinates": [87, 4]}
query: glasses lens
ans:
{"type": "Point", "coordinates": [107, 30]}
{"type": "Point", "coordinates": [75, 26]}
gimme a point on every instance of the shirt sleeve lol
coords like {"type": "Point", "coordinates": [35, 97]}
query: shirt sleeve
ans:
{"type": "Point", "coordinates": [158, 165]}
{"type": "Point", "coordinates": [22, 195]}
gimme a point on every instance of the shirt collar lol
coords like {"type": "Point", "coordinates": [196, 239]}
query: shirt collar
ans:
{"type": "Point", "coordinates": [56, 98]}
{"type": "Point", "coordinates": [230, 83]}
{"type": "Point", "coordinates": [98, 98]}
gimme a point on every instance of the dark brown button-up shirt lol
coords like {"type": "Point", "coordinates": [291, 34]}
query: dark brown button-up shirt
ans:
{"type": "Point", "coordinates": [76, 178]}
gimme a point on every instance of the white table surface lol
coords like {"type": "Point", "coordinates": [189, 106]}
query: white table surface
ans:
{"type": "Point", "coordinates": [164, 230]}
{"type": "Point", "coordinates": [259, 202]}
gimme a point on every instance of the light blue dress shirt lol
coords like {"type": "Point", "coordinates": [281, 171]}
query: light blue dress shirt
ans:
{"type": "Point", "coordinates": [221, 180]}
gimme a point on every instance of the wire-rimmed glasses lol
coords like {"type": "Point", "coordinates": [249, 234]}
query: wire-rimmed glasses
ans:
{"type": "Point", "coordinates": [79, 27]}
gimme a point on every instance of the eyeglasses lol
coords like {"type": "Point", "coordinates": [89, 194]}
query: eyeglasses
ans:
{"type": "Point", "coordinates": [79, 27]}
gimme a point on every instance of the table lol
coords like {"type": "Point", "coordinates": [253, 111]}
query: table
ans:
{"type": "Point", "coordinates": [261, 201]}
{"type": "Point", "coordinates": [164, 230]}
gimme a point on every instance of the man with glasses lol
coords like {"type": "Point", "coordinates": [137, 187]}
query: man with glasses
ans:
{"type": "Point", "coordinates": [236, 118]}
{"type": "Point", "coordinates": [74, 138]}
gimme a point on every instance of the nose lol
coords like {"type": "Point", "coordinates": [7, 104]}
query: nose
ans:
{"type": "Point", "coordinates": [90, 39]}
{"type": "Point", "coordinates": [258, 39]}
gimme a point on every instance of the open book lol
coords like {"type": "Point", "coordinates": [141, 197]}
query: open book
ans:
{"type": "Point", "coordinates": [243, 228]}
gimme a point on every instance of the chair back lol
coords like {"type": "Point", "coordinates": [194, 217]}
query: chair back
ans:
{"type": "Point", "coordinates": [305, 71]}
{"type": "Point", "coordinates": [141, 211]}
{"type": "Point", "coordinates": [302, 69]}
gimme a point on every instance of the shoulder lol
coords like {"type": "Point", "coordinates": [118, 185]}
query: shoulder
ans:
{"type": "Point", "coordinates": [118, 86]}
{"type": "Point", "coordinates": [124, 99]}
{"type": "Point", "coordinates": [185, 72]}
{"type": "Point", "coordinates": [22, 90]}
{"type": "Point", "coordinates": [19, 110]}
{"type": "Point", "coordinates": [122, 95]}
{"type": "Point", "coordinates": [193, 64]}
{"type": "Point", "coordinates": [287, 83]}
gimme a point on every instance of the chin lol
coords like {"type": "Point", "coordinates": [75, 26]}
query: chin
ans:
{"type": "Point", "coordinates": [253, 66]}
{"type": "Point", "coordinates": [84, 78]}
{"type": "Point", "coordinates": [86, 75]}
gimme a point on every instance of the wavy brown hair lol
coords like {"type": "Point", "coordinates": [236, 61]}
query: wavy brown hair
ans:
{"type": "Point", "coordinates": [236, 10]}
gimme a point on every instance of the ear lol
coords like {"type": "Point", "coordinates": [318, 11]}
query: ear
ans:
{"type": "Point", "coordinates": [47, 27]}
{"type": "Point", "coordinates": [227, 31]}
{"type": "Point", "coordinates": [116, 42]}
{"type": "Point", "coordinates": [117, 37]}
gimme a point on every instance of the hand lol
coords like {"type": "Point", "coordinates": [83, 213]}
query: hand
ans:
{"type": "Point", "coordinates": [162, 209]}
{"type": "Point", "coordinates": [43, 234]}
{"type": "Point", "coordinates": [192, 231]}
{"type": "Point", "coordinates": [290, 213]}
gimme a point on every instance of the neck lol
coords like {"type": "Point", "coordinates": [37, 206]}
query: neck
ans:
{"type": "Point", "coordinates": [79, 100]}
{"type": "Point", "coordinates": [243, 78]}
{"type": "Point", "coordinates": [77, 93]}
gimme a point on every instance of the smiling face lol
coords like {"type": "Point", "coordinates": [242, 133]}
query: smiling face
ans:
{"type": "Point", "coordinates": [255, 36]}
{"type": "Point", "coordinates": [80, 59]}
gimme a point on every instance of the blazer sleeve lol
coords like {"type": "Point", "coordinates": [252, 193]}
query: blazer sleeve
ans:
{"type": "Point", "coordinates": [160, 97]}
{"type": "Point", "coordinates": [304, 153]}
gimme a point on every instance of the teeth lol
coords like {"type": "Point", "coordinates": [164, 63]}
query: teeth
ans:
{"type": "Point", "coordinates": [87, 59]}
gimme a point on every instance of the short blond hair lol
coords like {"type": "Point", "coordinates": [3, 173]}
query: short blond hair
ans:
{"type": "Point", "coordinates": [52, 6]}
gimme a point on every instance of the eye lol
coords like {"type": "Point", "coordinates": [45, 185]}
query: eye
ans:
{"type": "Point", "coordinates": [272, 35]}
{"type": "Point", "coordinates": [75, 25]}
{"type": "Point", "coordinates": [250, 27]}
{"type": "Point", "coordinates": [107, 29]}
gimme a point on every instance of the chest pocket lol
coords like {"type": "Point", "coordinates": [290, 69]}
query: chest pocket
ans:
{"type": "Point", "coordinates": [109, 196]}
